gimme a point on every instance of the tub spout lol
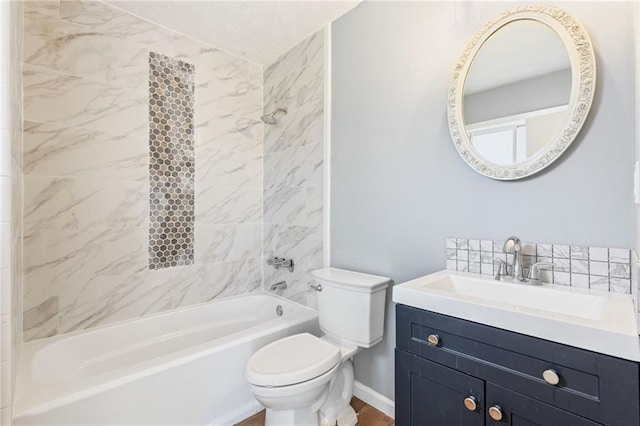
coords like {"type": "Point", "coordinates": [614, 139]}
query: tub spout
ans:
{"type": "Point", "coordinates": [278, 286]}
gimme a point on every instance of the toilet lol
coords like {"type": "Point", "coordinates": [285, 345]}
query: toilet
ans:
{"type": "Point", "coordinates": [304, 380]}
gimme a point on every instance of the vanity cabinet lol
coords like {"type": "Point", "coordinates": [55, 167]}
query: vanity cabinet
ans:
{"type": "Point", "coordinates": [442, 361]}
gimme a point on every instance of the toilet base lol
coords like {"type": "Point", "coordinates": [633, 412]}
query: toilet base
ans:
{"type": "Point", "coordinates": [337, 407]}
{"type": "Point", "coordinates": [300, 417]}
{"type": "Point", "coordinates": [348, 417]}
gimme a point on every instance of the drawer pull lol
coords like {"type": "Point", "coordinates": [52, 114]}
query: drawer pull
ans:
{"type": "Point", "coordinates": [433, 339]}
{"type": "Point", "coordinates": [551, 376]}
{"type": "Point", "coordinates": [471, 403]}
{"type": "Point", "coordinates": [495, 412]}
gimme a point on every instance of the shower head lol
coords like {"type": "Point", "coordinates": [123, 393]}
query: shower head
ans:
{"type": "Point", "coordinates": [271, 118]}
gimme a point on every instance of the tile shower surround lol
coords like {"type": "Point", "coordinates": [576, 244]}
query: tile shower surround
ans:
{"type": "Point", "coordinates": [171, 162]}
{"type": "Point", "coordinates": [86, 164]}
{"type": "Point", "coordinates": [598, 268]}
{"type": "Point", "coordinates": [293, 167]}
{"type": "Point", "coordinates": [87, 177]}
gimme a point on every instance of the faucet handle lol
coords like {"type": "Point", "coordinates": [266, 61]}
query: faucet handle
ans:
{"type": "Point", "coordinates": [535, 271]}
{"type": "Point", "coordinates": [502, 267]}
{"type": "Point", "coordinates": [277, 262]}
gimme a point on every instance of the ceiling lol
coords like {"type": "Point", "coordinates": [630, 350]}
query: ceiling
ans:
{"type": "Point", "coordinates": [259, 31]}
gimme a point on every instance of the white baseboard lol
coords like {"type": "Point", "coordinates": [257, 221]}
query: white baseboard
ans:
{"type": "Point", "coordinates": [374, 399]}
{"type": "Point", "coordinates": [239, 415]}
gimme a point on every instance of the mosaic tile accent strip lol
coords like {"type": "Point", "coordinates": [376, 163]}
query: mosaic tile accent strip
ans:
{"type": "Point", "coordinates": [171, 162]}
{"type": "Point", "coordinates": [598, 268]}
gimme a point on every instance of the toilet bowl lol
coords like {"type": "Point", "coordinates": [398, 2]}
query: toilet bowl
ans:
{"type": "Point", "coordinates": [304, 380]}
{"type": "Point", "coordinates": [293, 378]}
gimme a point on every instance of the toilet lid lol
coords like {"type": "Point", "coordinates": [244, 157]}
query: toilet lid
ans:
{"type": "Point", "coordinates": [294, 359]}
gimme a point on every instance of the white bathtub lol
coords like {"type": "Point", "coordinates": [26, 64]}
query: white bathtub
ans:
{"type": "Point", "coordinates": [183, 367]}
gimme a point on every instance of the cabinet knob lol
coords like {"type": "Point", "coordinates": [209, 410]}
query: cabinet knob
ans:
{"type": "Point", "coordinates": [551, 376]}
{"type": "Point", "coordinates": [471, 403]}
{"type": "Point", "coordinates": [495, 412]}
{"type": "Point", "coordinates": [433, 339]}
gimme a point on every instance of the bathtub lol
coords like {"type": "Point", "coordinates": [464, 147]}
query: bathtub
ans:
{"type": "Point", "coordinates": [183, 367]}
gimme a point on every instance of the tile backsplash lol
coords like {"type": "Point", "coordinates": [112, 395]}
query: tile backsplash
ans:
{"type": "Point", "coordinates": [598, 268]}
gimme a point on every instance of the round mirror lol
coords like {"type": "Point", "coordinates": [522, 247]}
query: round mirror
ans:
{"type": "Point", "coordinates": [521, 92]}
{"type": "Point", "coordinates": [516, 95]}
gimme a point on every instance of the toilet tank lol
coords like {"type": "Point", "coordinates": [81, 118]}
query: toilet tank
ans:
{"type": "Point", "coordinates": [351, 306]}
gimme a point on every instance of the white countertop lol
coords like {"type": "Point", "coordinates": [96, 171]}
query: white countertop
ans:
{"type": "Point", "coordinates": [598, 321]}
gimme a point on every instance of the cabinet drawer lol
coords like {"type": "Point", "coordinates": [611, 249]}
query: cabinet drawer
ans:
{"type": "Point", "coordinates": [592, 385]}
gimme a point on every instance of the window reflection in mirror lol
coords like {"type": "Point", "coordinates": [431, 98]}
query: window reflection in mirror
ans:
{"type": "Point", "coordinates": [517, 91]}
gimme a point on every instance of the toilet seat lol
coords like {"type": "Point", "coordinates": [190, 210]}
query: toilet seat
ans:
{"type": "Point", "coordinates": [292, 360]}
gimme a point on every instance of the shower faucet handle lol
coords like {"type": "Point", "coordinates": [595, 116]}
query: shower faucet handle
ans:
{"type": "Point", "coordinates": [277, 262]}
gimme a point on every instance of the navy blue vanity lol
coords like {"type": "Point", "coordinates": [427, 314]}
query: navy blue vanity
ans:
{"type": "Point", "coordinates": [453, 372]}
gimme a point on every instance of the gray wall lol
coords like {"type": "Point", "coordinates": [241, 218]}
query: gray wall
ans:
{"type": "Point", "coordinates": [399, 187]}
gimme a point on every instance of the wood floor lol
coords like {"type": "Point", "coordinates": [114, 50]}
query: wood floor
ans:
{"type": "Point", "coordinates": [367, 416]}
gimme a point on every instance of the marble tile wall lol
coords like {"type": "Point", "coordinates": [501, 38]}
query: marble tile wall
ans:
{"type": "Point", "coordinates": [598, 268]}
{"type": "Point", "coordinates": [10, 202]}
{"type": "Point", "coordinates": [86, 165]}
{"type": "Point", "coordinates": [293, 166]}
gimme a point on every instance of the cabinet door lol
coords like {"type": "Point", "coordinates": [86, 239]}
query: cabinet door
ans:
{"type": "Point", "coordinates": [519, 410]}
{"type": "Point", "coordinates": [428, 394]}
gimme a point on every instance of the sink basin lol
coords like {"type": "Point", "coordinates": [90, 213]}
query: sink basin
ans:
{"type": "Point", "coordinates": [599, 321]}
{"type": "Point", "coordinates": [519, 296]}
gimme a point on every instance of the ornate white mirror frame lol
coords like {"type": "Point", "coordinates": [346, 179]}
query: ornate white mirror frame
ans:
{"type": "Point", "coordinates": [583, 76]}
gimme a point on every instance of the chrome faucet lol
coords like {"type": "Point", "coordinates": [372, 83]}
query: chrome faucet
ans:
{"type": "Point", "coordinates": [278, 286]}
{"type": "Point", "coordinates": [513, 246]}
{"type": "Point", "coordinates": [515, 271]}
